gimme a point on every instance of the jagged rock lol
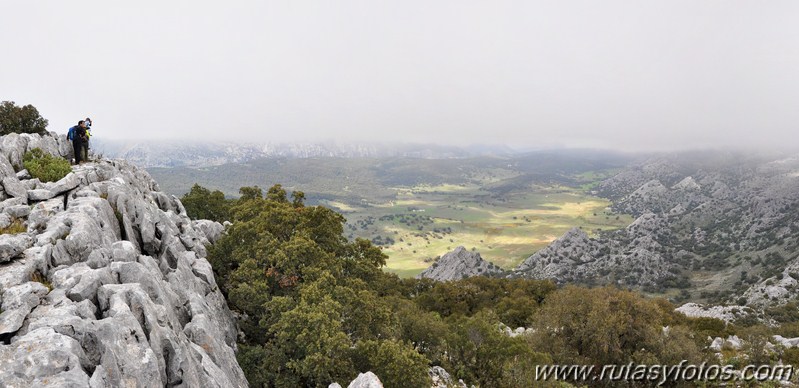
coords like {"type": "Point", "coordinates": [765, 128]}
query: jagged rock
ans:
{"type": "Point", "coordinates": [18, 301]}
{"type": "Point", "coordinates": [366, 380]}
{"type": "Point", "coordinates": [44, 357]}
{"type": "Point", "coordinates": [89, 282]}
{"type": "Point", "coordinates": [118, 314]}
{"type": "Point", "coordinates": [14, 187]}
{"type": "Point", "coordinates": [201, 331]}
{"type": "Point", "coordinates": [12, 245]}
{"type": "Point", "coordinates": [458, 264]}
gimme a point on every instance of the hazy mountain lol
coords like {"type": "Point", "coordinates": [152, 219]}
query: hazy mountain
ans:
{"type": "Point", "coordinates": [204, 154]}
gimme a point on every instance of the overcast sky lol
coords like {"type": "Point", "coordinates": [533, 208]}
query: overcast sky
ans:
{"type": "Point", "coordinates": [613, 74]}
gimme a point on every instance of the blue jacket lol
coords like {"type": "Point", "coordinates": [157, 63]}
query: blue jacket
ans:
{"type": "Point", "coordinates": [76, 133]}
{"type": "Point", "coordinates": [71, 132]}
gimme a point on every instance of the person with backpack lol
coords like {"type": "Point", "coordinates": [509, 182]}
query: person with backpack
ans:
{"type": "Point", "coordinates": [77, 135]}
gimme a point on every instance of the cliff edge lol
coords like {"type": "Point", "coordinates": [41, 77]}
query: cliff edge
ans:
{"type": "Point", "coordinates": [106, 282]}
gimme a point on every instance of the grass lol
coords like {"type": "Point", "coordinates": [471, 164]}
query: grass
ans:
{"type": "Point", "coordinates": [505, 229]}
{"type": "Point", "coordinates": [37, 276]}
{"type": "Point", "coordinates": [16, 226]}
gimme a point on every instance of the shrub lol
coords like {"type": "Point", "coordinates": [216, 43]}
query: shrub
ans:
{"type": "Point", "coordinates": [44, 166]}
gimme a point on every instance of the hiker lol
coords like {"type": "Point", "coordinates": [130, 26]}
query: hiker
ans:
{"type": "Point", "coordinates": [85, 149]}
{"type": "Point", "coordinates": [77, 135]}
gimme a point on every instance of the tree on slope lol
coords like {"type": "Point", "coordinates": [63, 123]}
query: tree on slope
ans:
{"type": "Point", "coordinates": [20, 119]}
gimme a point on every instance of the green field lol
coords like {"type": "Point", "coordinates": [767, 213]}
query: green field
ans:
{"type": "Point", "coordinates": [424, 222]}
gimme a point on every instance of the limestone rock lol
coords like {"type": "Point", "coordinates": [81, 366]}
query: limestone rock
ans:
{"type": "Point", "coordinates": [6, 169]}
{"type": "Point", "coordinates": [212, 230]}
{"type": "Point", "coordinates": [458, 264]}
{"type": "Point", "coordinates": [18, 302]}
{"type": "Point", "coordinates": [366, 380]}
{"type": "Point", "coordinates": [12, 245]}
{"type": "Point", "coordinates": [23, 174]}
{"type": "Point", "coordinates": [59, 361]}
{"type": "Point", "coordinates": [18, 211]}
{"type": "Point", "coordinates": [14, 187]}
{"type": "Point", "coordinates": [109, 286]}
{"type": "Point", "coordinates": [67, 183]}
{"type": "Point", "coordinates": [40, 195]}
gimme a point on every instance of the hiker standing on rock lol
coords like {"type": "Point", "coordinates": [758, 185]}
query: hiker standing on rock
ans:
{"type": "Point", "coordinates": [88, 124]}
{"type": "Point", "coordinates": [77, 135]}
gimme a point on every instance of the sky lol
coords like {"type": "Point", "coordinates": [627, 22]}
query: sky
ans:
{"type": "Point", "coordinates": [627, 75]}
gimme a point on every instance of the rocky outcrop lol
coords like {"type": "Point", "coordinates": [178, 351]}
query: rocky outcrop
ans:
{"type": "Point", "coordinates": [632, 259]}
{"type": "Point", "coordinates": [459, 264]}
{"type": "Point", "coordinates": [108, 285]}
{"type": "Point", "coordinates": [364, 380]}
{"type": "Point", "coordinates": [724, 313]}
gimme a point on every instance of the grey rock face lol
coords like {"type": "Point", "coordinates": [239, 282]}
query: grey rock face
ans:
{"type": "Point", "coordinates": [109, 285]}
{"type": "Point", "coordinates": [18, 302]}
{"type": "Point", "coordinates": [458, 264]}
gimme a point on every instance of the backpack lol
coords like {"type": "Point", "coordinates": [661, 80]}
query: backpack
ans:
{"type": "Point", "coordinates": [71, 133]}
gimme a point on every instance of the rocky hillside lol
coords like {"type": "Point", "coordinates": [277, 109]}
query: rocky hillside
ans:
{"type": "Point", "coordinates": [105, 284]}
{"type": "Point", "coordinates": [711, 227]}
{"type": "Point", "coordinates": [458, 264]}
{"type": "Point", "coordinates": [631, 258]}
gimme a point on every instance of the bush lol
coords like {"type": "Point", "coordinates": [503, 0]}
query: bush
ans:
{"type": "Point", "coordinates": [46, 167]}
{"type": "Point", "coordinates": [20, 119]}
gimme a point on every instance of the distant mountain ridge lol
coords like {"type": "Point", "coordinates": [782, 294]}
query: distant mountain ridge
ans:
{"type": "Point", "coordinates": [198, 154]}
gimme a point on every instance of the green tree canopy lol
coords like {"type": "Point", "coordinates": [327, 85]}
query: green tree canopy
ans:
{"type": "Point", "coordinates": [20, 119]}
{"type": "Point", "coordinates": [201, 203]}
